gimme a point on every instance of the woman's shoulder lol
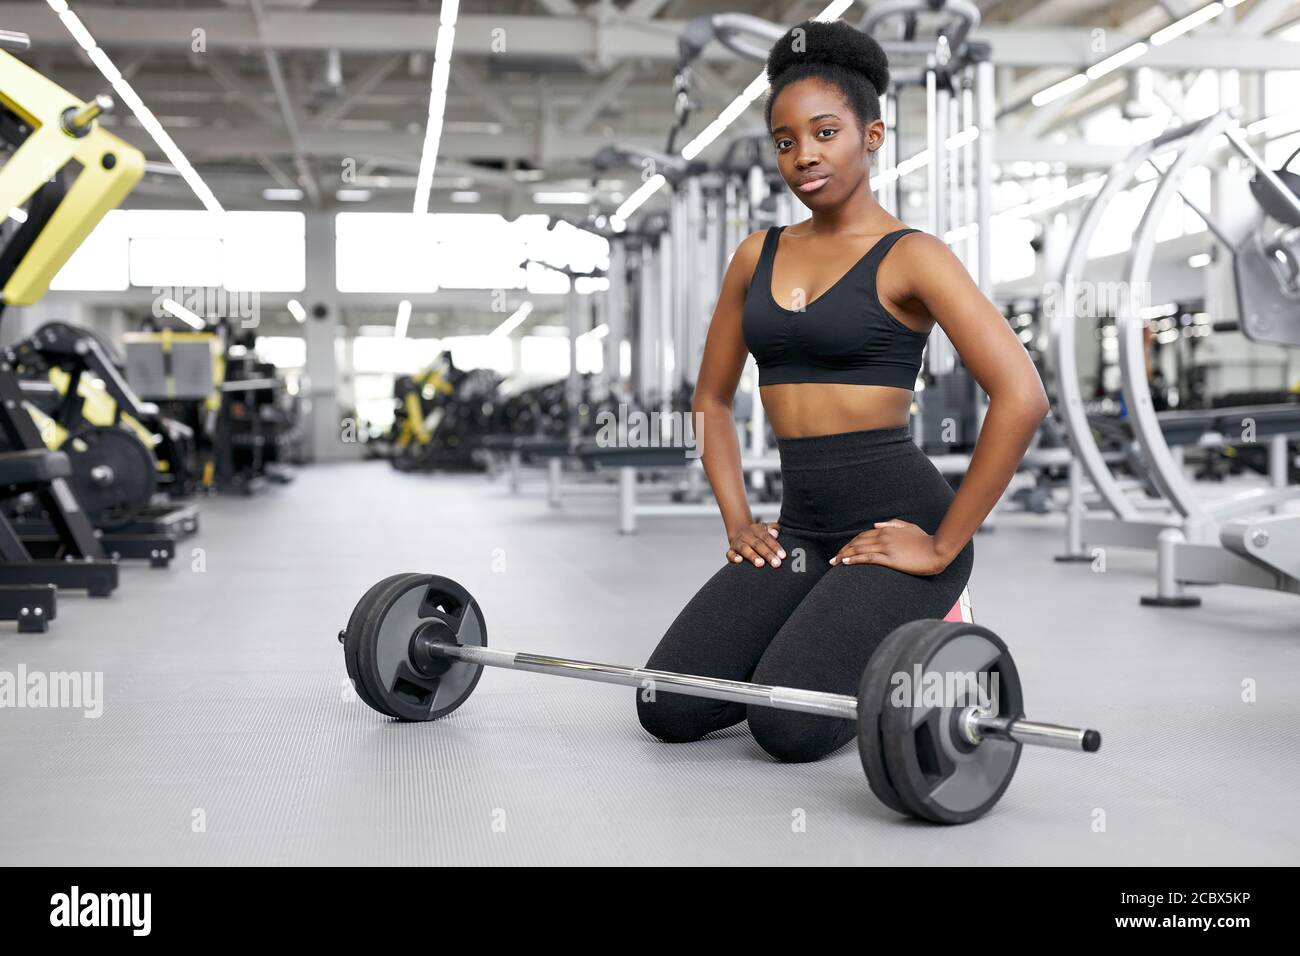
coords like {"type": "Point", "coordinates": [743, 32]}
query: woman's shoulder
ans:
{"type": "Point", "coordinates": [750, 250]}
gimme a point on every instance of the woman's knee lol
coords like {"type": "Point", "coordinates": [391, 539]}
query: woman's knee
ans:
{"type": "Point", "coordinates": [797, 738]}
{"type": "Point", "coordinates": [677, 719]}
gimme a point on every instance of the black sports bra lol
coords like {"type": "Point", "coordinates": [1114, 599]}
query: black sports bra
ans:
{"type": "Point", "coordinates": [843, 336]}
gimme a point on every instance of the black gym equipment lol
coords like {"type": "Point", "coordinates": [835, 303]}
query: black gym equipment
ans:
{"type": "Point", "coordinates": [112, 474]}
{"type": "Point", "coordinates": [126, 456]}
{"type": "Point", "coordinates": [64, 185]}
{"type": "Point", "coordinates": [416, 645]}
{"type": "Point", "coordinates": [86, 357]}
{"type": "Point", "coordinates": [244, 421]}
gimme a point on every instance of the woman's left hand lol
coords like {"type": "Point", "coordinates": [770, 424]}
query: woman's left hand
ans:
{"type": "Point", "coordinates": [895, 544]}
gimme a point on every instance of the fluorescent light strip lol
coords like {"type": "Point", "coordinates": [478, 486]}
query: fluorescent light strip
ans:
{"type": "Point", "coordinates": [964, 138]}
{"type": "Point", "coordinates": [184, 314]}
{"type": "Point", "coordinates": [913, 163]}
{"type": "Point", "coordinates": [561, 198]}
{"type": "Point", "coordinates": [437, 103]}
{"type": "Point", "coordinates": [403, 319]}
{"type": "Point", "coordinates": [1189, 22]}
{"type": "Point", "coordinates": [1116, 60]}
{"type": "Point", "coordinates": [756, 88]}
{"type": "Point", "coordinates": [834, 10]}
{"type": "Point", "coordinates": [646, 190]}
{"type": "Point", "coordinates": [296, 310]}
{"type": "Point", "coordinates": [922, 159]}
{"type": "Point", "coordinates": [1058, 90]}
{"type": "Point", "coordinates": [127, 94]}
{"type": "Point", "coordinates": [599, 332]}
{"type": "Point", "coordinates": [78, 30]}
{"type": "Point", "coordinates": [1130, 53]}
{"type": "Point", "coordinates": [1279, 124]}
{"type": "Point", "coordinates": [512, 323]}
{"type": "Point", "coordinates": [1081, 190]}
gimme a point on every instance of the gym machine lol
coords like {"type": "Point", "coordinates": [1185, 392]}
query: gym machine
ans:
{"type": "Point", "coordinates": [1234, 540]}
{"type": "Point", "coordinates": [125, 455]}
{"type": "Point", "coordinates": [416, 645]}
{"type": "Point", "coordinates": [212, 382]}
{"type": "Point", "coordinates": [64, 171]}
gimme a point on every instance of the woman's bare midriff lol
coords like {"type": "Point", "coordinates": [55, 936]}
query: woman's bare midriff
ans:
{"type": "Point", "coordinates": [807, 409]}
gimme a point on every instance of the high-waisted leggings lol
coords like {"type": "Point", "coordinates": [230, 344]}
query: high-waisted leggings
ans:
{"type": "Point", "coordinates": [808, 624]}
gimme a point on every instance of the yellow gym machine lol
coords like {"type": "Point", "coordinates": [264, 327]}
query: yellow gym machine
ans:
{"type": "Point", "coordinates": [61, 173]}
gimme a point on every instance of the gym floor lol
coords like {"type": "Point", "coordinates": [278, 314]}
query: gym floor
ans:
{"type": "Point", "coordinates": [229, 734]}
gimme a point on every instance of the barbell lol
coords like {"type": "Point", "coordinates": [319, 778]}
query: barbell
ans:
{"type": "Point", "coordinates": [939, 712]}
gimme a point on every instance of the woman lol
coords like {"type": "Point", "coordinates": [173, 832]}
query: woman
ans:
{"type": "Point", "coordinates": [836, 310]}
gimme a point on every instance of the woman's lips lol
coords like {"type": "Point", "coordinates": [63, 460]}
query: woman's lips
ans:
{"type": "Point", "coordinates": [813, 184]}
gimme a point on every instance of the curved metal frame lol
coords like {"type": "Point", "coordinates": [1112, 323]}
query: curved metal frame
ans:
{"type": "Point", "coordinates": [965, 15]}
{"type": "Point", "coordinates": [1195, 546]}
{"type": "Point", "coordinates": [1165, 471]}
{"type": "Point", "coordinates": [730, 28]}
{"type": "Point", "coordinates": [1069, 394]}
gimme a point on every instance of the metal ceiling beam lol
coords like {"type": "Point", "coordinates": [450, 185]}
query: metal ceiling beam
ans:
{"type": "Point", "coordinates": [244, 93]}
{"type": "Point", "coordinates": [602, 96]}
{"type": "Point", "coordinates": [560, 8]}
{"type": "Point", "coordinates": [644, 9]}
{"type": "Point", "coordinates": [1072, 50]}
{"type": "Point", "coordinates": [305, 177]}
{"type": "Point", "coordinates": [617, 38]}
{"type": "Point", "coordinates": [217, 145]}
{"type": "Point", "coordinates": [164, 85]}
{"type": "Point", "coordinates": [468, 78]}
{"type": "Point", "coordinates": [1049, 12]}
{"type": "Point", "coordinates": [275, 172]}
{"type": "Point", "coordinates": [1265, 15]}
{"type": "Point", "coordinates": [363, 87]}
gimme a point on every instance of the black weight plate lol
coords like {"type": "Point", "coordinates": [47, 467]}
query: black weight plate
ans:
{"type": "Point", "coordinates": [872, 692]}
{"type": "Point", "coordinates": [114, 475]}
{"type": "Point", "coordinates": [352, 639]}
{"type": "Point", "coordinates": [937, 776]}
{"type": "Point", "coordinates": [383, 656]}
{"type": "Point", "coordinates": [380, 598]}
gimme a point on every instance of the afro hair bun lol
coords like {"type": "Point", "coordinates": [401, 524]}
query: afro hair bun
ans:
{"type": "Point", "coordinates": [832, 42]}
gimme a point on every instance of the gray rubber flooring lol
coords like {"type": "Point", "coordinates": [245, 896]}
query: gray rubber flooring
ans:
{"type": "Point", "coordinates": [229, 734]}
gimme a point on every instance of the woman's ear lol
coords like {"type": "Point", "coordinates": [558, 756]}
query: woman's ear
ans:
{"type": "Point", "coordinates": [875, 137]}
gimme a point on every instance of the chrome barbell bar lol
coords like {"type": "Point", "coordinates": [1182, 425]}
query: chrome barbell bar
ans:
{"type": "Point", "coordinates": [976, 724]}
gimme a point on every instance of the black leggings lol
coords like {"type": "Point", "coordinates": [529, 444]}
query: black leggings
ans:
{"type": "Point", "coordinates": [808, 624]}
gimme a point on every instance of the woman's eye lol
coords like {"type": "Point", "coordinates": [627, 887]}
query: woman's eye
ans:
{"type": "Point", "coordinates": [828, 129]}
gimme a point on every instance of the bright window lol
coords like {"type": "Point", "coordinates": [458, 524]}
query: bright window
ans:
{"type": "Point", "coordinates": [410, 253]}
{"type": "Point", "coordinates": [242, 251]}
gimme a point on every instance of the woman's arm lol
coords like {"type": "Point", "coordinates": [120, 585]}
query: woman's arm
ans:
{"type": "Point", "coordinates": [715, 389]}
{"type": "Point", "coordinates": [999, 363]}
{"type": "Point", "coordinates": [923, 271]}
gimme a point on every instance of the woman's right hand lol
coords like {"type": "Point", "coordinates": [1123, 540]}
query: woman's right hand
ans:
{"type": "Point", "coordinates": [757, 543]}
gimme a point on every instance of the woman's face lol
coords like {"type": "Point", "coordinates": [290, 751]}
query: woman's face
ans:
{"type": "Point", "coordinates": [820, 147]}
